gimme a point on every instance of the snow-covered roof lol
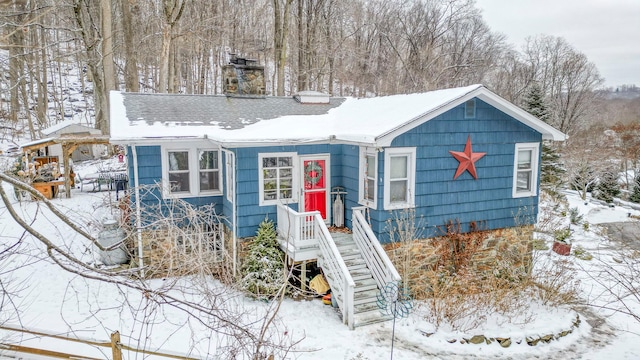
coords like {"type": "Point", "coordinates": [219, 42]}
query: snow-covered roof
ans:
{"type": "Point", "coordinates": [77, 127]}
{"type": "Point", "coordinates": [230, 121]}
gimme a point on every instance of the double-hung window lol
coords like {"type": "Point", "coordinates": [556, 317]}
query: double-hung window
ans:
{"type": "Point", "coordinates": [399, 178]}
{"type": "Point", "coordinates": [209, 170]}
{"type": "Point", "coordinates": [191, 171]}
{"type": "Point", "coordinates": [179, 177]}
{"type": "Point", "coordinates": [368, 175]}
{"type": "Point", "coordinates": [277, 181]}
{"type": "Point", "coordinates": [525, 169]}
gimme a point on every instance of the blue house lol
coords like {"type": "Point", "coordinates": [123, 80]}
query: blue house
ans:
{"type": "Point", "coordinates": [462, 155]}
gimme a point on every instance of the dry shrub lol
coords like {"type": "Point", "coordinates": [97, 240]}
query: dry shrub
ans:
{"type": "Point", "coordinates": [464, 278]}
{"type": "Point", "coordinates": [181, 239]}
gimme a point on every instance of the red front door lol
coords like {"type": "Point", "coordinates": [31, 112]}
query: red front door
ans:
{"type": "Point", "coordinates": [315, 184]}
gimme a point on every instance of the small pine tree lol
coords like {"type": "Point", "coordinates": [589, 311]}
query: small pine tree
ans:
{"type": "Point", "coordinates": [535, 105]}
{"type": "Point", "coordinates": [608, 186]}
{"type": "Point", "coordinates": [551, 169]}
{"type": "Point", "coordinates": [263, 268]}
{"type": "Point", "coordinates": [635, 195]}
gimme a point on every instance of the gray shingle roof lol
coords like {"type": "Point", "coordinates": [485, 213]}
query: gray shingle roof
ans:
{"type": "Point", "coordinates": [227, 112]}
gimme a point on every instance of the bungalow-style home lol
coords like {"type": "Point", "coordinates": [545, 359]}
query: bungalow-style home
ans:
{"type": "Point", "coordinates": [456, 155]}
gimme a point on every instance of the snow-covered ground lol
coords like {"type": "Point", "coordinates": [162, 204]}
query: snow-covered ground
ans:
{"type": "Point", "coordinates": [54, 300]}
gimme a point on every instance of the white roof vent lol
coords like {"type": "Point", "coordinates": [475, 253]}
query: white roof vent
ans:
{"type": "Point", "coordinates": [311, 97]}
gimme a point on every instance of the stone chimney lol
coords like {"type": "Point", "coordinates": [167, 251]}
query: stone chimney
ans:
{"type": "Point", "coordinates": [243, 77]}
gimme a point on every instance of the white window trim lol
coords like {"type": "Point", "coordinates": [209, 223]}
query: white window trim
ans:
{"type": "Point", "coordinates": [372, 204]}
{"type": "Point", "coordinates": [230, 168]}
{"type": "Point", "coordinates": [295, 181]}
{"type": "Point", "coordinates": [535, 155]}
{"type": "Point", "coordinates": [410, 152]}
{"type": "Point", "coordinates": [194, 170]}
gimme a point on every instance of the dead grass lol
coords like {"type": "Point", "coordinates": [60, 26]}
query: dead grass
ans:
{"type": "Point", "coordinates": [463, 278]}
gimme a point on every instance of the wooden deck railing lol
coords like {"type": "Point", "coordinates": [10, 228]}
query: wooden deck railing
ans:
{"type": "Point", "coordinates": [374, 255]}
{"type": "Point", "coordinates": [297, 229]}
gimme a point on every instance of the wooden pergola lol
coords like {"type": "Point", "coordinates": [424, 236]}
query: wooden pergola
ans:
{"type": "Point", "coordinates": [69, 143]}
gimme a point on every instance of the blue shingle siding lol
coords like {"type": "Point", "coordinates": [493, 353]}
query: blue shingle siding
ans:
{"type": "Point", "coordinates": [488, 200]}
{"type": "Point", "coordinates": [150, 173]}
{"type": "Point", "coordinates": [439, 198]}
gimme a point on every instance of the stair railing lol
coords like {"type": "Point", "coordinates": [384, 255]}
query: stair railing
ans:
{"type": "Point", "coordinates": [308, 229]}
{"type": "Point", "coordinates": [375, 257]}
{"type": "Point", "coordinates": [336, 272]}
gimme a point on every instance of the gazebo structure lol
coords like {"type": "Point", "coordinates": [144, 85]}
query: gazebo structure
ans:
{"type": "Point", "coordinates": [69, 143]}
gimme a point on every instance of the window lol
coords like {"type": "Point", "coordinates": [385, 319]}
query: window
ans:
{"type": "Point", "coordinates": [525, 169]}
{"type": "Point", "coordinates": [399, 170]}
{"type": "Point", "coordinates": [209, 170]}
{"type": "Point", "coordinates": [179, 172]}
{"type": "Point", "coordinates": [368, 174]}
{"type": "Point", "coordinates": [189, 172]}
{"type": "Point", "coordinates": [277, 178]}
{"type": "Point", "coordinates": [470, 109]}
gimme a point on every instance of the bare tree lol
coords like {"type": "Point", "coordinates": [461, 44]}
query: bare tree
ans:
{"type": "Point", "coordinates": [172, 11]}
{"type": "Point", "coordinates": [566, 76]}
{"type": "Point", "coordinates": [184, 233]}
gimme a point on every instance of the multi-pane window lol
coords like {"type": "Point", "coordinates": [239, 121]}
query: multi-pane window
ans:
{"type": "Point", "coordinates": [191, 172]}
{"type": "Point", "coordinates": [209, 170]}
{"type": "Point", "coordinates": [400, 169]}
{"type": "Point", "coordinates": [370, 177]}
{"type": "Point", "coordinates": [368, 173]}
{"type": "Point", "coordinates": [276, 183]}
{"type": "Point", "coordinates": [179, 172]}
{"type": "Point", "coordinates": [525, 169]}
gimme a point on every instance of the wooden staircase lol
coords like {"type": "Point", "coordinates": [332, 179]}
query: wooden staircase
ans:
{"type": "Point", "coordinates": [355, 265]}
{"type": "Point", "coordinates": [366, 310]}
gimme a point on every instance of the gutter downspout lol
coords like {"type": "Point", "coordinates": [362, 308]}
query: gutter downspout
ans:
{"type": "Point", "coordinates": [233, 208]}
{"type": "Point", "coordinates": [136, 184]}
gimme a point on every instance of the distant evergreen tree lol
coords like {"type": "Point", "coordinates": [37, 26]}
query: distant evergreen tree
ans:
{"type": "Point", "coordinates": [635, 194]}
{"type": "Point", "coordinates": [263, 268]}
{"type": "Point", "coordinates": [608, 186]}
{"type": "Point", "coordinates": [534, 103]}
{"type": "Point", "coordinates": [551, 169]}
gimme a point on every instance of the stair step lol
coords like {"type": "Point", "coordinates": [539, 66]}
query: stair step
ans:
{"type": "Point", "coordinates": [355, 262]}
{"type": "Point", "coordinates": [353, 268]}
{"type": "Point", "coordinates": [347, 247]}
{"type": "Point", "coordinates": [353, 256]}
{"type": "Point", "coordinates": [366, 307]}
{"type": "Point", "coordinates": [357, 278]}
{"type": "Point", "coordinates": [365, 282]}
{"type": "Point", "coordinates": [370, 317]}
{"type": "Point", "coordinates": [366, 296]}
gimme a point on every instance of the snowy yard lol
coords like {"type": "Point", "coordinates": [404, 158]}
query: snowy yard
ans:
{"type": "Point", "coordinates": [53, 300]}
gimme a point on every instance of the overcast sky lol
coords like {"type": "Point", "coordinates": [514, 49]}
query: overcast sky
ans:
{"type": "Point", "coordinates": [607, 31]}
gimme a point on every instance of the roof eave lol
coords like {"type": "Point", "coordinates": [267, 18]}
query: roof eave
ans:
{"type": "Point", "coordinates": [548, 132]}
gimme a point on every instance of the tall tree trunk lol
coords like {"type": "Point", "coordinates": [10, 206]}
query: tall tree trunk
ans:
{"type": "Point", "coordinates": [301, 46]}
{"type": "Point", "coordinates": [91, 38]}
{"type": "Point", "coordinates": [281, 30]}
{"type": "Point", "coordinates": [107, 62]}
{"type": "Point", "coordinates": [16, 64]}
{"type": "Point", "coordinates": [131, 82]}
{"type": "Point", "coordinates": [172, 11]}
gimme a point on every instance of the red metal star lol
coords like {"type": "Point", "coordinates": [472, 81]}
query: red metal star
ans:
{"type": "Point", "coordinates": [467, 160]}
